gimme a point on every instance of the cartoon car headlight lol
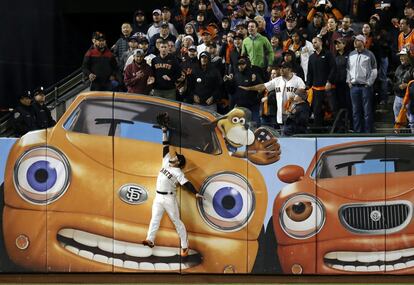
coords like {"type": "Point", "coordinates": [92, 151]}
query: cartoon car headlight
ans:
{"type": "Point", "coordinates": [229, 202]}
{"type": "Point", "coordinates": [41, 175]}
{"type": "Point", "coordinates": [302, 216]}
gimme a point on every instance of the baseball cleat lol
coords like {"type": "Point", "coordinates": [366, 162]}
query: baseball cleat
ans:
{"type": "Point", "coordinates": [184, 252]}
{"type": "Point", "coordinates": [148, 243]}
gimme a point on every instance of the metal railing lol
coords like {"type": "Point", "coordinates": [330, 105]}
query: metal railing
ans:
{"type": "Point", "coordinates": [56, 95]}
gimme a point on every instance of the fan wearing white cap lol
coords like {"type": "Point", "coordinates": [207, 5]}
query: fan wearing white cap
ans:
{"type": "Point", "coordinates": [403, 74]}
{"type": "Point", "coordinates": [156, 25]}
{"type": "Point", "coordinates": [361, 75]}
{"type": "Point", "coordinates": [138, 75]}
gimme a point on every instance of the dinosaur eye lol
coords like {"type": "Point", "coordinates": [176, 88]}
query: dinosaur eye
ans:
{"type": "Point", "coordinates": [235, 120]}
{"type": "Point", "coordinates": [242, 121]}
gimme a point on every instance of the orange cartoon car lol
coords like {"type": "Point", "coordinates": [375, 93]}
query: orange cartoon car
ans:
{"type": "Point", "coordinates": [78, 196]}
{"type": "Point", "coordinates": [350, 212]}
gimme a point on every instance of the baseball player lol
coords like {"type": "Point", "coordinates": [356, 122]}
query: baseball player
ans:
{"type": "Point", "coordinates": [285, 87]}
{"type": "Point", "coordinates": [165, 199]}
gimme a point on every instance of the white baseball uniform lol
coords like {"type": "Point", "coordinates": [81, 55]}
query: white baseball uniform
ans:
{"type": "Point", "coordinates": [167, 181]}
{"type": "Point", "coordinates": [285, 90]}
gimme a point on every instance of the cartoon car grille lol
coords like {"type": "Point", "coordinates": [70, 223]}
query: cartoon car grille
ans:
{"type": "Point", "coordinates": [376, 218]}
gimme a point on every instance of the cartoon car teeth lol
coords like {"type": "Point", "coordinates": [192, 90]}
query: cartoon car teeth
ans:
{"type": "Point", "coordinates": [63, 210]}
{"type": "Point", "coordinates": [125, 254]}
{"type": "Point", "coordinates": [350, 212]}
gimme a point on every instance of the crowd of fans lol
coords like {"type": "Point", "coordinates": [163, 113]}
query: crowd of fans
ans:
{"type": "Point", "coordinates": [293, 63]}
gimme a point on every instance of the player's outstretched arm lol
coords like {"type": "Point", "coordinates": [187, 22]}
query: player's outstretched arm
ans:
{"type": "Point", "coordinates": [190, 187]}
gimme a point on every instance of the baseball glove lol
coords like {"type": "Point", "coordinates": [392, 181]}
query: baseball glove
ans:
{"type": "Point", "coordinates": [265, 149]}
{"type": "Point", "coordinates": [163, 119]}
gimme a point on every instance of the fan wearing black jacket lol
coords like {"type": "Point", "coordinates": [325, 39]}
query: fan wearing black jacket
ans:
{"type": "Point", "coordinates": [205, 82]}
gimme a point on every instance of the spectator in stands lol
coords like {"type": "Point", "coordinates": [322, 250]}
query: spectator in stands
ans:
{"type": "Point", "coordinates": [182, 14]}
{"type": "Point", "coordinates": [257, 47]}
{"type": "Point", "coordinates": [403, 74]}
{"type": "Point", "coordinates": [139, 24]}
{"type": "Point", "coordinates": [361, 75]}
{"type": "Point", "coordinates": [204, 83]}
{"type": "Point", "coordinates": [276, 43]}
{"type": "Point", "coordinates": [241, 29]}
{"type": "Point", "coordinates": [203, 8]}
{"type": "Point", "coordinates": [268, 108]}
{"type": "Point", "coordinates": [189, 30]}
{"type": "Point", "coordinates": [385, 11]}
{"type": "Point", "coordinates": [299, 11]}
{"type": "Point", "coordinates": [133, 45]}
{"type": "Point", "coordinates": [188, 65]}
{"type": "Point", "coordinates": [275, 24]}
{"type": "Point", "coordinates": [347, 33]}
{"type": "Point", "coordinates": [200, 23]}
{"type": "Point", "coordinates": [297, 120]}
{"type": "Point", "coordinates": [235, 53]}
{"type": "Point", "coordinates": [164, 34]}
{"type": "Point", "coordinates": [244, 76]}
{"type": "Point", "coordinates": [409, 11]}
{"type": "Point", "coordinates": [182, 44]}
{"type": "Point", "coordinates": [156, 25]}
{"type": "Point", "coordinates": [329, 34]}
{"type": "Point", "coordinates": [215, 60]}
{"type": "Point", "coordinates": [342, 88]}
{"type": "Point", "coordinates": [381, 48]}
{"type": "Point", "coordinates": [225, 26]}
{"type": "Point", "coordinates": [285, 86]}
{"type": "Point", "coordinates": [166, 14]}
{"type": "Point", "coordinates": [167, 72]}
{"type": "Point", "coordinates": [23, 117]}
{"type": "Point", "coordinates": [326, 9]}
{"type": "Point", "coordinates": [290, 57]}
{"type": "Point", "coordinates": [121, 44]}
{"type": "Point", "coordinates": [302, 49]}
{"type": "Point", "coordinates": [367, 33]}
{"type": "Point", "coordinates": [321, 78]}
{"type": "Point", "coordinates": [43, 116]}
{"type": "Point", "coordinates": [406, 37]}
{"type": "Point", "coordinates": [206, 40]}
{"type": "Point", "coordinates": [138, 75]}
{"type": "Point", "coordinates": [99, 65]}
{"type": "Point", "coordinates": [290, 27]}
{"type": "Point", "coordinates": [262, 8]}
{"type": "Point", "coordinates": [261, 25]}
{"type": "Point", "coordinates": [315, 26]}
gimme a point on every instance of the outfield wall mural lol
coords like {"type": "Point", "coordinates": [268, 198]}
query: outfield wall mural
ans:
{"type": "Point", "coordinates": [79, 197]}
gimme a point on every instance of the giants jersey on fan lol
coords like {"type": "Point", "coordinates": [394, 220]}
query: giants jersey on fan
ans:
{"type": "Point", "coordinates": [169, 177]}
{"type": "Point", "coordinates": [285, 90]}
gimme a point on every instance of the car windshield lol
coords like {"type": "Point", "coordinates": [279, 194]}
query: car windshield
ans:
{"type": "Point", "coordinates": [137, 120]}
{"type": "Point", "coordinates": [367, 159]}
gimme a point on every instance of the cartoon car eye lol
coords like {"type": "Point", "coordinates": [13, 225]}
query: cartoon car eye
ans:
{"type": "Point", "coordinates": [235, 120]}
{"type": "Point", "coordinates": [242, 121]}
{"type": "Point", "coordinates": [41, 175]}
{"type": "Point", "coordinates": [302, 216]}
{"type": "Point", "coordinates": [228, 202]}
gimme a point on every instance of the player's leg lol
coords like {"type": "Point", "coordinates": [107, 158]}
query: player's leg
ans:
{"type": "Point", "coordinates": [156, 216]}
{"type": "Point", "coordinates": [171, 206]}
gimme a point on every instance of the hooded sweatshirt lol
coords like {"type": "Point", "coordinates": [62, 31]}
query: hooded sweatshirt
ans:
{"type": "Point", "coordinates": [205, 83]}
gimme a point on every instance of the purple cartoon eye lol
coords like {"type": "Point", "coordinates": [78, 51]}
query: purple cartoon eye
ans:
{"type": "Point", "coordinates": [41, 176]}
{"type": "Point", "coordinates": [227, 202]}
